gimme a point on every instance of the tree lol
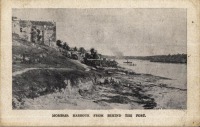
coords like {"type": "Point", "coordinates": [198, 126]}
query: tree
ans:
{"type": "Point", "coordinates": [75, 49]}
{"type": "Point", "coordinates": [66, 46]}
{"type": "Point", "coordinates": [82, 50]}
{"type": "Point", "coordinates": [59, 43]}
{"type": "Point", "coordinates": [96, 56]}
{"type": "Point", "coordinates": [92, 50]}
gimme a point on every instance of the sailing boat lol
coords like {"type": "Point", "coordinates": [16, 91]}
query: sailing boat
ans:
{"type": "Point", "coordinates": [127, 61]}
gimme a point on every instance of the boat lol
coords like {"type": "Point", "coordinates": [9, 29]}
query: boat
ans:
{"type": "Point", "coordinates": [130, 63]}
{"type": "Point", "coordinates": [127, 62]}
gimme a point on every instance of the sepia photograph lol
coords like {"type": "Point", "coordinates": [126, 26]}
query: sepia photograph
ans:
{"type": "Point", "coordinates": [99, 58]}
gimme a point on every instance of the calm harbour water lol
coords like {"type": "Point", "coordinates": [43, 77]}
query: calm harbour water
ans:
{"type": "Point", "coordinates": [176, 72]}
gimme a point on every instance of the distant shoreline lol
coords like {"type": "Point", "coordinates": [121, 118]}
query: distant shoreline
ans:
{"type": "Point", "coordinates": [174, 59]}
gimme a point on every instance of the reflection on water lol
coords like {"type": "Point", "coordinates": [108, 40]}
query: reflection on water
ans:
{"type": "Point", "coordinates": [176, 72]}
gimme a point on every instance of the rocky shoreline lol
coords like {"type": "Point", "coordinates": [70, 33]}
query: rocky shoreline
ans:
{"type": "Point", "coordinates": [108, 88]}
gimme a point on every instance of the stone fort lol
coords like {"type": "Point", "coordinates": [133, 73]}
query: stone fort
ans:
{"type": "Point", "coordinates": [41, 32]}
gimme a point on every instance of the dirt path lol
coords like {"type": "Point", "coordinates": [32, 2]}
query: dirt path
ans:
{"type": "Point", "coordinates": [50, 68]}
{"type": "Point", "coordinates": [28, 69]}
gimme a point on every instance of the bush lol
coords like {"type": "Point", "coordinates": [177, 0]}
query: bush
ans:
{"type": "Point", "coordinates": [59, 43]}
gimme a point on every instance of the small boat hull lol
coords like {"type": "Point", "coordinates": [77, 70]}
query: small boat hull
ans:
{"type": "Point", "coordinates": [127, 62]}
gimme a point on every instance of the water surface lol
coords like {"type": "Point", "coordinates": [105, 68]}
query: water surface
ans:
{"type": "Point", "coordinates": [176, 72]}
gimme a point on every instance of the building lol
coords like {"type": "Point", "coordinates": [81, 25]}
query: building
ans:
{"type": "Point", "coordinates": [41, 32]}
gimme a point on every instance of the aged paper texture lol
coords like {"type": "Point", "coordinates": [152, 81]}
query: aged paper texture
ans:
{"type": "Point", "coordinates": [100, 63]}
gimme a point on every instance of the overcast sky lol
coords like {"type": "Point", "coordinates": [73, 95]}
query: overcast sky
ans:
{"type": "Point", "coordinates": [135, 32]}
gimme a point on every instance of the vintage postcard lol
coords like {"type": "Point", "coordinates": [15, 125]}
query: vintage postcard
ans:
{"type": "Point", "coordinates": [100, 63]}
